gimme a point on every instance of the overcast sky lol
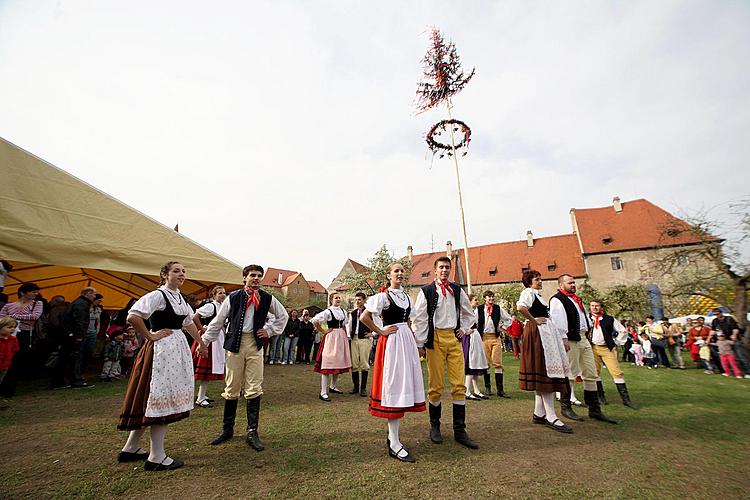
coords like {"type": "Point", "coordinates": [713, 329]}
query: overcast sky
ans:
{"type": "Point", "coordinates": [284, 133]}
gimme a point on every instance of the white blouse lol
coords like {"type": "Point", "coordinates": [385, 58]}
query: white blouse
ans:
{"type": "Point", "coordinates": [379, 302]}
{"type": "Point", "coordinates": [324, 316]}
{"type": "Point", "coordinates": [527, 298]}
{"type": "Point", "coordinates": [154, 301]}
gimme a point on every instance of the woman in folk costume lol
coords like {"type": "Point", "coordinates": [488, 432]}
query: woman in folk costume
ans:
{"type": "Point", "coordinates": [160, 390]}
{"type": "Point", "coordinates": [397, 386]}
{"type": "Point", "coordinates": [209, 367]}
{"type": "Point", "coordinates": [544, 362]}
{"type": "Point", "coordinates": [333, 356]}
{"type": "Point", "coordinates": [475, 359]}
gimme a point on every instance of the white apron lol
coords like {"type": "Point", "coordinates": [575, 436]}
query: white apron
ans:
{"type": "Point", "coordinates": [403, 386]}
{"type": "Point", "coordinates": [171, 389]}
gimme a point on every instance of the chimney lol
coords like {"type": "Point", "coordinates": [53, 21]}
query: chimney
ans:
{"type": "Point", "coordinates": [449, 249]}
{"type": "Point", "coordinates": [410, 253]}
{"type": "Point", "coordinates": [616, 203]}
{"type": "Point", "coordinates": [529, 239]}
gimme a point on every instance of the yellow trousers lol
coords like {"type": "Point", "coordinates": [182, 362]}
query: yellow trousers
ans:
{"type": "Point", "coordinates": [361, 354]}
{"type": "Point", "coordinates": [244, 368]}
{"type": "Point", "coordinates": [493, 349]}
{"type": "Point", "coordinates": [447, 353]}
{"type": "Point", "coordinates": [601, 352]}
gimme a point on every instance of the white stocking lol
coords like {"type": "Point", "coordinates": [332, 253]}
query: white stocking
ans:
{"type": "Point", "coordinates": [202, 388]}
{"type": "Point", "coordinates": [157, 454]}
{"type": "Point", "coordinates": [538, 405]}
{"type": "Point", "coordinates": [467, 383]}
{"type": "Point", "coordinates": [131, 445]}
{"type": "Point", "coordinates": [572, 391]}
{"type": "Point", "coordinates": [548, 398]}
{"type": "Point", "coordinates": [393, 426]}
{"type": "Point", "coordinates": [334, 380]}
{"type": "Point", "coordinates": [324, 385]}
{"type": "Point", "coordinates": [474, 383]}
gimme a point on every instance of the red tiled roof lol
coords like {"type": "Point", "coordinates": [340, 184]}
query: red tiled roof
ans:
{"type": "Point", "coordinates": [503, 262]}
{"type": "Point", "coordinates": [272, 275]}
{"type": "Point", "coordinates": [641, 224]}
{"type": "Point", "coordinates": [316, 287]}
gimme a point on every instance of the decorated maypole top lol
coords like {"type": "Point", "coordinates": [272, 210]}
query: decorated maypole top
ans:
{"type": "Point", "coordinates": [443, 78]}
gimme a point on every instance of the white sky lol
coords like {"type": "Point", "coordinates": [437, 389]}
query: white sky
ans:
{"type": "Point", "coordinates": [294, 121]}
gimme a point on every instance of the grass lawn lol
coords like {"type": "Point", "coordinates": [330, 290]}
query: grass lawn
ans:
{"type": "Point", "coordinates": [689, 440]}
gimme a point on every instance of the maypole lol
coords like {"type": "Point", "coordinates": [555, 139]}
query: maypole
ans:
{"type": "Point", "coordinates": [444, 79]}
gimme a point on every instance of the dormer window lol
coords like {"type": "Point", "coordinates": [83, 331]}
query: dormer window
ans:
{"type": "Point", "coordinates": [426, 274]}
{"type": "Point", "coordinates": [551, 266]}
{"type": "Point", "coordinates": [607, 239]}
{"type": "Point", "coordinates": [493, 270]}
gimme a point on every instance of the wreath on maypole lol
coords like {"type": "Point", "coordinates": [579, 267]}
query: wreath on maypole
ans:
{"type": "Point", "coordinates": [441, 132]}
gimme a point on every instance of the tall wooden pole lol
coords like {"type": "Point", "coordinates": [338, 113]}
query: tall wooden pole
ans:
{"type": "Point", "coordinates": [460, 201]}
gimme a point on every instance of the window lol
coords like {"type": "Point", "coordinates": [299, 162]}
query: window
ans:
{"type": "Point", "coordinates": [426, 274]}
{"type": "Point", "coordinates": [607, 239]}
{"type": "Point", "coordinates": [493, 270]}
{"type": "Point", "coordinates": [683, 259]}
{"type": "Point", "coordinates": [551, 266]}
{"type": "Point", "coordinates": [617, 264]}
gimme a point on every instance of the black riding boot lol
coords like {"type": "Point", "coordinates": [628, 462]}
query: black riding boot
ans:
{"type": "Point", "coordinates": [253, 413]}
{"type": "Point", "coordinates": [600, 392]}
{"type": "Point", "coordinates": [355, 381]}
{"type": "Point", "coordinates": [227, 429]}
{"type": "Point", "coordinates": [435, 411]}
{"type": "Point", "coordinates": [363, 385]}
{"type": "Point", "coordinates": [567, 407]}
{"type": "Point", "coordinates": [623, 390]}
{"type": "Point", "coordinates": [459, 427]}
{"type": "Point", "coordinates": [487, 384]}
{"type": "Point", "coordinates": [499, 383]}
{"type": "Point", "coordinates": [595, 409]}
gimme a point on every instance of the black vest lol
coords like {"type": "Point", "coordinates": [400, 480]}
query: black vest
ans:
{"type": "Point", "coordinates": [238, 306]}
{"type": "Point", "coordinates": [537, 309]}
{"type": "Point", "coordinates": [335, 323]}
{"type": "Point", "coordinates": [431, 294]}
{"type": "Point", "coordinates": [395, 314]}
{"type": "Point", "coordinates": [607, 324]}
{"type": "Point", "coordinates": [495, 317]}
{"type": "Point", "coordinates": [205, 321]}
{"type": "Point", "coordinates": [574, 321]}
{"type": "Point", "coordinates": [166, 318]}
{"type": "Point", "coordinates": [358, 328]}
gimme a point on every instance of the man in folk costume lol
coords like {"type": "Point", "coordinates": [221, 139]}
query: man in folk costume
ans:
{"type": "Point", "coordinates": [568, 314]}
{"type": "Point", "coordinates": [361, 346]}
{"type": "Point", "coordinates": [248, 311]}
{"type": "Point", "coordinates": [443, 314]}
{"type": "Point", "coordinates": [209, 367]}
{"type": "Point", "coordinates": [606, 335]}
{"type": "Point", "coordinates": [492, 320]}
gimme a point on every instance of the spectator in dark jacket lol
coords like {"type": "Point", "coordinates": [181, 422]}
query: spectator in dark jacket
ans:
{"type": "Point", "coordinates": [76, 324]}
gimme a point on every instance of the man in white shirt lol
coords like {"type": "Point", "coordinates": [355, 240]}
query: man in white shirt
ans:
{"type": "Point", "coordinates": [442, 314]}
{"type": "Point", "coordinates": [254, 315]}
{"type": "Point", "coordinates": [606, 335]}
{"type": "Point", "coordinates": [569, 315]}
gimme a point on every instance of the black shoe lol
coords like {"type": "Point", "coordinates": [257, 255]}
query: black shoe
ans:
{"type": "Point", "coordinates": [499, 383]}
{"type": "Point", "coordinates": [227, 425]}
{"type": "Point", "coordinates": [559, 428]}
{"type": "Point", "coordinates": [600, 392]}
{"type": "Point", "coordinates": [473, 397]}
{"type": "Point", "coordinates": [253, 415]}
{"type": "Point", "coordinates": [324, 398]}
{"type": "Point", "coordinates": [355, 382]}
{"type": "Point", "coordinates": [209, 400]}
{"type": "Point", "coordinates": [595, 410]}
{"type": "Point", "coordinates": [363, 385]}
{"type": "Point", "coordinates": [408, 458]}
{"type": "Point", "coordinates": [623, 390]}
{"type": "Point", "coordinates": [538, 420]}
{"type": "Point", "coordinates": [459, 427]}
{"type": "Point", "coordinates": [157, 466]}
{"type": "Point", "coordinates": [483, 396]}
{"type": "Point", "coordinates": [566, 406]}
{"type": "Point", "coordinates": [126, 456]}
{"type": "Point", "coordinates": [567, 412]}
{"type": "Point", "coordinates": [435, 435]}
{"type": "Point", "coordinates": [335, 390]}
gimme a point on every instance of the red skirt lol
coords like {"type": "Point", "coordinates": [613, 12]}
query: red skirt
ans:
{"type": "Point", "coordinates": [532, 372]}
{"type": "Point", "coordinates": [376, 388]}
{"type": "Point", "coordinates": [203, 365]}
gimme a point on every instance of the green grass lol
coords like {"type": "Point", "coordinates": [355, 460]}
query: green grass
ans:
{"type": "Point", "coordinates": [688, 440]}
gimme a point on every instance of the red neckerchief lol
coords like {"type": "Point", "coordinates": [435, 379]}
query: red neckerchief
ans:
{"type": "Point", "coordinates": [574, 298]}
{"type": "Point", "coordinates": [596, 320]}
{"type": "Point", "coordinates": [489, 310]}
{"type": "Point", "coordinates": [252, 296]}
{"type": "Point", "coordinates": [445, 287]}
